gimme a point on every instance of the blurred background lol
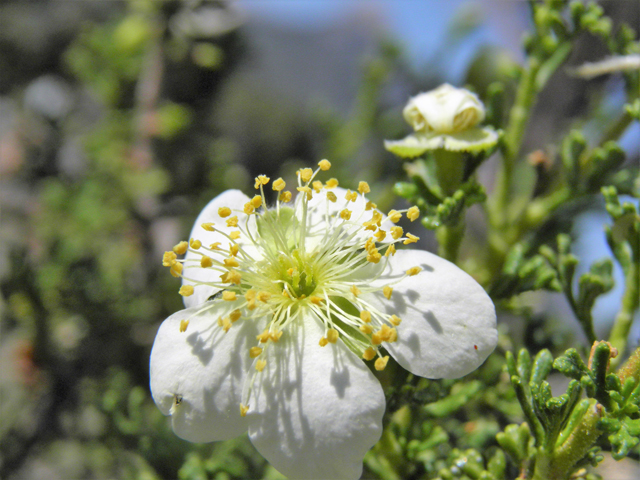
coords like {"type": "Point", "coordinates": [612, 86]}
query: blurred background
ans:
{"type": "Point", "coordinates": [120, 120]}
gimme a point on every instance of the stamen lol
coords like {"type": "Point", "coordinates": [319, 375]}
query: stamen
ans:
{"type": "Point", "coordinates": [206, 262]}
{"type": "Point", "coordinates": [345, 214]}
{"type": "Point", "coordinates": [234, 235]}
{"type": "Point", "coordinates": [323, 342]}
{"type": "Point", "coordinates": [317, 186]}
{"type": "Point", "coordinates": [261, 180]}
{"type": "Point", "coordinates": [324, 165]}
{"type": "Point", "coordinates": [168, 259]}
{"type": "Point", "coordinates": [278, 185]}
{"type": "Point", "coordinates": [387, 291]}
{"type": "Point", "coordinates": [260, 364]}
{"type": "Point", "coordinates": [224, 212]}
{"type": "Point", "coordinates": [332, 335]}
{"type": "Point", "coordinates": [391, 250]}
{"type": "Point", "coordinates": [332, 197]}
{"type": "Point", "coordinates": [256, 201]}
{"type": "Point", "coordinates": [176, 269]}
{"type": "Point", "coordinates": [231, 262]}
{"type": "Point", "coordinates": [365, 316]}
{"type": "Point", "coordinates": [195, 244]}
{"type": "Point", "coordinates": [351, 196]}
{"type": "Point", "coordinates": [363, 187]}
{"type": "Point", "coordinates": [232, 222]}
{"type": "Point", "coordinates": [355, 290]}
{"type": "Point", "coordinates": [306, 190]}
{"type": "Point", "coordinates": [186, 290]}
{"type": "Point", "coordinates": [285, 197]}
{"type": "Point", "coordinates": [183, 325]}
{"type": "Point", "coordinates": [414, 271]}
{"type": "Point", "coordinates": [181, 248]}
{"type": "Point", "coordinates": [369, 354]}
{"type": "Point", "coordinates": [396, 232]}
{"type": "Point", "coordinates": [331, 183]}
{"type": "Point", "coordinates": [395, 320]}
{"type": "Point", "coordinates": [305, 174]}
{"type": "Point", "coordinates": [255, 352]}
{"type": "Point", "coordinates": [411, 239]}
{"type": "Point", "coordinates": [229, 296]}
{"type": "Point", "coordinates": [413, 213]}
{"type": "Point", "coordinates": [243, 410]}
{"type": "Point", "coordinates": [381, 363]}
{"type": "Point", "coordinates": [208, 227]}
{"type": "Point", "coordinates": [394, 216]}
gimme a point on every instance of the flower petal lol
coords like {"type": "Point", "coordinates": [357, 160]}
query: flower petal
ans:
{"type": "Point", "coordinates": [448, 324]}
{"type": "Point", "coordinates": [235, 200]}
{"type": "Point", "coordinates": [473, 140]}
{"type": "Point", "coordinates": [315, 411]}
{"type": "Point", "coordinates": [197, 376]}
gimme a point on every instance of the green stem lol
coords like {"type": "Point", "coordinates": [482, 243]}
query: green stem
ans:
{"type": "Point", "coordinates": [449, 239]}
{"type": "Point", "coordinates": [616, 130]}
{"type": "Point", "coordinates": [624, 319]}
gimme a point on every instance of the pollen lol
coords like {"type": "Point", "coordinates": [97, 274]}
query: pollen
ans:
{"type": "Point", "coordinates": [234, 235]}
{"type": "Point", "coordinates": [224, 212]}
{"type": "Point", "coordinates": [394, 216]}
{"type": "Point", "coordinates": [413, 271]}
{"type": "Point", "coordinates": [255, 352]}
{"type": "Point", "coordinates": [369, 353]}
{"type": "Point", "coordinates": [391, 250]}
{"type": "Point", "coordinates": [316, 300]}
{"type": "Point", "coordinates": [355, 290]}
{"type": "Point", "coordinates": [181, 248]}
{"type": "Point", "coordinates": [232, 222]}
{"type": "Point", "coordinates": [396, 232]}
{"type": "Point", "coordinates": [345, 214]}
{"type": "Point", "coordinates": [306, 190]}
{"type": "Point", "coordinates": [226, 324]}
{"type": "Point", "coordinates": [264, 337]}
{"type": "Point", "coordinates": [256, 201]}
{"type": "Point", "coordinates": [332, 335]}
{"type": "Point", "coordinates": [411, 239]}
{"type": "Point", "coordinates": [248, 208]}
{"type": "Point", "coordinates": [395, 320]}
{"type": "Point", "coordinates": [233, 249]}
{"type": "Point", "coordinates": [306, 174]}
{"type": "Point", "coordinates": [381, 363]}
{"type": "Point", "coordinates": [183, 325]}
{"type": "Point", "coordinates": [323, 342]}
{"type": "Point", "coordinates": [374, 256]}
{"type": "Point", "coordinates": [324, 165]}
{"type": "Point", "coordinates": [351, 196]}
{"type": "Point", "coordinates": [261, 180]}
{"type": "Point", "coordinates": [208, 226]}
{"type": "Point", "coordinates": [278, 185]}
{"type": "Point", "coordinates": [250, 295]}
{"type": "Point", "coordinates": [363, 187]}
{"type": "Point", "coordinates": [186, 290]}
{"type": "Point", "coordinates": [233, 276]}
{"type": "Point", "coordinates": [285, 197]}
{"type": "Point", "coordinates": [176, 269]}
{"type": "Point", "coordinates": [275, 336]}
{"type": "Point", "coordinates": [235, 316]}
{"type": "Point", "coordinates": [168, 259]}
{"type": "Point", "coordinates": [260, 364]}
{"type": "Point", "coordinates": [387, 292]}
{"type": "Point", "coordinates": [332, 197]}
{"type": "Point", "coordinates": [264, 296]}
{"type": "Point", "coordinates": [370, 206]}
{"type": "Point", "coordinates": [231, 262]}
{"type": "Point", "coordinates": [331, 183]}
{"type": "Point", "coordinates": [365, 316]}
{"type": "Point", "coordinates": [215, 246]}
{"type": "Point", "coordinates": [366, 329]}
{"type": "Point", "coordinates": [243, 410]}
{"type": "Point", "coordinates": [380, 235]}
{"type": "Point", "coordinates": [229, 296]}
{"type": "Point", "coordinates": [317, 186]}
{"type": "Point", "coordinates": [195, 244]}
{"type": "Point", "coordinates": [413, 213]}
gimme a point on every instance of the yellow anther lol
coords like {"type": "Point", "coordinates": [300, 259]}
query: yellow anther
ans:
{"type": "Point", "coordinates": [365, 316]}
{"type": "Point", "coordinates": [411, 239]}
{"type": "Point", "coordinates": [234, 235]}
{"type": "Point", "coordinates": [183, 325]}
{"type": "Point", "coordinates": [376, 338]}
{"type": "Point", "coordinates": [394, 216]}
{"type": "Point", "coordinates": [370, 244]}
{"type": "Point", "coordinates": [332, 197]}
{"type": "Point", "coordinates": [208, 226]}
{"type": "Point", "coordinates": [232, 222]}
{"type": "Point", "coordinates": [229, 296]}
{"type": "Point", "coordinates": [231, 262]}
{"type": "Point", "coordinates": [264, 336]}
{"type": "Point", "coordinates": [316, 300]}
{"type": "Point", "coordinates": [260, 364]}
{"type": "Point", "coordinates": [220, 323]}
{"type": "Point", "coordinates": [413, 213]}
{"type": "Point", "coordinates": [285, 293]}
{"type": "Point", "coordinates": [285, 197]}
{"type": "Point", "coordinates": [317, 186]}
{"type": "Point", "coordinates": [391, 250]}
{"type": "Point", "coordinates": [176, 269]}
{"type": "Point", "coordinates": [233, 249]}
{"type": "Point", "coordinates": [290, 271]}
{"type": "Point", "coordinates": [195, 244]}
{"type": "Point", "coordinates": [366, 329]}
{"type": "Point", "coordinates": [396, 232]}
{"type": "Point", "coordinates": [369, 353]}
{"type": "Point", "coordinates": [363, 187]}
{"type": "Point", "coordinates": [243, 410]}
{"type": "Point", "coordinates": [224, 212]}
{"type": "Point", "coordinates": [345, 214]}
{"type": "Point", "coordinates": [355, 290]}
{"type": "Point", "coordinates": [323, 342]}
{"type": "Point", "coordinates": [414, 271]}
{"type": "Point", "coordinates": [275, 336]}
{"type": "Point", "coordinates": [306, 190]}
{"type": "Point", "coordinates": [374, 256]}
{"type": "Point", "coordinates": [370, 206]}
{"type": "Point", "coordinates": [278, 185]}
{"type": "Point", "coordinates": [186, 290]}
{"type": "Point", "coordinates": [331, 183]}
{"type": "Point", "coordinates": [351, 196]}
{"type": "Point", "coordinates": [305, 174]}
{"type": "Point", "coordinates": [395, 320]}
{"type": "Point", "coordinates": [256, 201]}
{"type": "Point", "coordinates": [168, 259]}
{"type": "Point", "coordinates": [215, 246]}
{"type": "Point", "coordinates": [261, 180]}
{"type": "Point", "coordinates": [380, 235]}
{"type": "Point", "coordinates": [264, 296]}
{"type": "Point", "coordinates": [235, 316]}
{"type": "Point", "coordinates": [181, 248]}
{"type": "Point", "coordinates": [250, 295]}
{"type": "Point", "coordinates": [226, 324]}
{"type": "Point", "coordinates": [324, 165]}
{"type": "Point", "coordinates": [376, 219]}
{"type": "Point", "coordinates": [255, 352]}
{"type": "Point", "coordinates": [332, 335]}
{"type": "Point", "coordinates": [393, 336]}
{"type": "Point", "coordinates": [387, 291]}
{"type": "Point", "coordinates": [248, 209]}
{"type": "Point", "coordinates": [232, 276]}
{"type": "Point", "coordinates": [381, 363]}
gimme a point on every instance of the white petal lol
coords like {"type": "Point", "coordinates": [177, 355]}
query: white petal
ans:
{"type": "Point", "coordinates": [315, 411]}
{"type": "Point", "coordinates": [204, 369]}
{"type": "Point", "coordinates": [448, 324]}
{"type": "Point", "coordinates": [235, 200]}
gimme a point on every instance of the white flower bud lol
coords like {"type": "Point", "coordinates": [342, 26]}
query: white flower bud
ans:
{"type": "Point", "coordinates": [444, 110]}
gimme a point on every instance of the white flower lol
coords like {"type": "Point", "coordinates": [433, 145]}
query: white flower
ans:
{"type": "Point", "coordinates": [283, 305]}
{"type": "Point", "coordinates": [446, 118]}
